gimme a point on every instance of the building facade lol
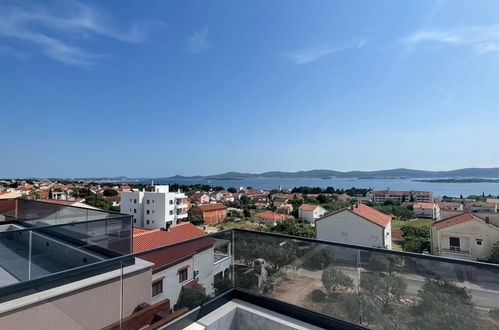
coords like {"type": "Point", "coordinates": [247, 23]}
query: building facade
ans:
{"type": "Point", "coordinates": [427, 210]}
{"type": "Point", "coordinates": [210, 213]}
{"type": "Point", "coordinates": [358, 224]}
{"type": "Point", "coordinates": [380, 196]}
{"type": "Point", "coordinates": [155, 209]}
{"type": "Point", "coordinates": [464, 236]}
{"type": "Point", "coordinates": [311, 212]}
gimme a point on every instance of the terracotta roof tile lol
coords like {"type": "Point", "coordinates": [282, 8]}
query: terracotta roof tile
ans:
{"type": "Point", "coordinates": [308, 207]}
{"type": "Point", "coordinates": [371, 214]}
{"type": "Point", "coordinates": [460, 218]}
{"type": "Point", "coordinates": [423, 206]}
{"type": "Point", "coordinates": [146, 239]}
{"type": "Point", "coordinates": [211, 207]}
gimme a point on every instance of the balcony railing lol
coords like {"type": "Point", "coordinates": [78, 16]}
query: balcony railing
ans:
{"type": "Point", "coordinates": [456, 249]}
{"type": "Point", "coordinates": [356, 285]}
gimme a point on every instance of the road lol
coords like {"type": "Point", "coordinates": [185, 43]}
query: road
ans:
{"type": "Point", "coordinates": [482, 298]}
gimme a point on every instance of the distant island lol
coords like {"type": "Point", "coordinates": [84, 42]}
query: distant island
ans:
{"type": "Point", "coordinates": [398, 173]}
{"type": "Point", "coordinates": [460, 180]}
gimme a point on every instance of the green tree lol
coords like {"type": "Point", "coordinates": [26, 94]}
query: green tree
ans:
{"type": "Point", "coordinates": [382, 287]}
{"type": "Point", "coordinates": [335, 280]}
{"type": "Point", "coordinates": [247, 213]}
{"type": "Point", "coordinates": [444, 306]}
{"type": "Point", "coordinates": [97, 201]}
{"type": "Point", "coordinates": [294, 227]}
{"type": "Point", "coordinates": [322, 199]}
{"type": "Point", "coordinates": [190, 298]}
{"type": "Point", "coordinates": [110, 192]}
{"type": "Point", "coordinates": [197, 220]}
{"type": "Point", "coordinates": [232, 190]}
{"type": "Point", "coordinates": [318, 257]}
{"type": "Point", "coordinates": [494, 254]}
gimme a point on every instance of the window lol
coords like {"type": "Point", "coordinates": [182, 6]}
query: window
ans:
{"type": "Point", "coordinates": [171, 212]}
{"type": "Point", "coordinates": [147, 221]}
{"type": "Point", "coordinates": [479, 241]}
{"type": "Point", "coordinates": [135, 201]}
{"type": "Point", "coordinates": [455, 244]}
{"type": "Point", "coordinates": [157, 287]}
{"type": "Point", "coordinates": [134, 220]}
{"type": "Point", "coordinates": [147, 211]}
{"type": "Point", "coordinates": [147, 201]}
{"type": "Point", "coordinates": [171, 201]}
{"type": "Point", "coordinates": [134, 210]}
{"type": "Point", "coordinates": [182, 275]}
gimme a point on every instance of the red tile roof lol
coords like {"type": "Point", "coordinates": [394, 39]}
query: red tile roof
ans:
{"type": "Point", "coordinates": [371, 214]}
{"type": "Point", "coordinates": [423, 206]}
{"type": "Point", "coordinates": [308, 207]}
{"type": "Point", "coordinates": [146, 239]}
{"type": "Point", "coordinates": [460, 218]}
{"type": "Point", "coordinates": [211, 207]}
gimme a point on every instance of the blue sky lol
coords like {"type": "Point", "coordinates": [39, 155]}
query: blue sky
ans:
{"type": "Point", "coordinates": [157, 88]}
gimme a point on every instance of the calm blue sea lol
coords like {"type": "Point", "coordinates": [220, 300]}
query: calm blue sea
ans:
{"type": "Point", "coordinates": [438, 189]}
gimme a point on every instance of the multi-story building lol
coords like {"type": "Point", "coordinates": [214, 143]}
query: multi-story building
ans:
{"type": "Point", "coordinates": [195, 263]}
{"type": "Point", "coordinates": [380, 196]}
{"type": "Point", "coordinates": [155, 209]}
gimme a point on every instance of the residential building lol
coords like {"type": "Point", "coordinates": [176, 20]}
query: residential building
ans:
{"type": "Point", "coordinates": [154, 209]}
{"type": "Point", "coordinates": [450, 206]}
{"type": "Point", "coordinates": [285, 209]}
{"type": "Point", "coordinates": [427, 210]}
{"type": "Point", "coordinates": [182, 266]}
{"type": "Point", "coordinates": [380, 196]}
{"type": "Point", "coordinates": [480, 206]}
{"type": "Point", "coordinates": [464, 236]}
{"type": "Point", "coordinates": [358, 224]}
{"type": "Point", "coordinates": [200, 198]}
{"type": "Point", "coordinates": [310, 212]}
{"type": "Point", "coordinates": [271, 218]}
{"type": "Point", "coordinates": [210, 213]}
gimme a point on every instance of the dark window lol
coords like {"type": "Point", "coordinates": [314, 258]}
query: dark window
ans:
{"type": "Point", "coordinates": [171, 212]}
{"type": "Point", "coordinates": [157, 288]}
{"type": "Point", "coordinates": [455, 243]}
{"type": "Point", "coordinates": [479, 241]}
{"type": "Point", "coordinates": [171, 201]}
{"type": "Point", "coordinates": [134, 210]}
{"type": "Point", "coordinates": [182, 275]}
{"type": "Point", "coordinates": [147, 221]}
{"type": "Point", "coordinates": [135, 201]}
{"type": "Point", "coordinates": [147, 211]}
{"type": "Point", "coordinates": [147, 201]}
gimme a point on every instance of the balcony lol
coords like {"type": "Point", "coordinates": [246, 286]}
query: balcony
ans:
{"type": "Point", "coordinates": [318, 283]}
{"type": "Point", "coordinates": [456, 250]}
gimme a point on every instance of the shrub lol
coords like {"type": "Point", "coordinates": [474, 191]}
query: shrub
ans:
{"type": "Point", "coordinates": [318, 295]}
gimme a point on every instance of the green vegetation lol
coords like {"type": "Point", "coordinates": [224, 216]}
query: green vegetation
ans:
{"type": "Point", "coordinates": [417, 223]}
{"type": "Point", "coordinates": [97, 201]}
{"type": "Point", "coordinates": [190, 298]}
{"type": "Point", "coordinates": [335, 280]}
{"type": "Point", "coordinates": [445, 306]}
{"type": "Point", "coordinates": [416, 239]}
{"type": "Point", "coordinates": [110, 192]}
{"type": "Point", "coordinates": [197, 220]}
{"type": "Point", "coordinates": [294, 227]}
{"type": "Point", "coordinates": [317, 295]}
{"type": "Point", "coordinates": [494, 254]}
{"type": "Point", "coordinates": [398, 211]}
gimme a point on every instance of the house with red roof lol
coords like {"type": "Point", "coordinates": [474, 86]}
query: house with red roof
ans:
{"type": "Point", "coordinates": [464, 236]}
{"type": "Point", "coordinates": [210, 213]}
{"type": "Point", "coordinates": [358, 224]}
{"type": "Point", "coordinates": [427, 210]}
{"type": "Point", "coordinates": [311, 212]}
{"type": "Point", "coordinates": [197, 263]}
{"type": "Point", "coordinates": [271, 218]}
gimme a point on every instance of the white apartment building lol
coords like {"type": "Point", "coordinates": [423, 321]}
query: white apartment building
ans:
{"type": "Point", "coordinates": [427, 210]}
{"type": "Point", "coordinates": [311, 212]}
{"type": "Point", "coordinates": [154, 209]}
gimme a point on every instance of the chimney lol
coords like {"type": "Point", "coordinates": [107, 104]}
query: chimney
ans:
{"type": "Point", "coordinates": [356, 205]}
{"type": "Point", "coordinates": [167, 226]}
{"type": "Point", "coordinates": [351, 207]}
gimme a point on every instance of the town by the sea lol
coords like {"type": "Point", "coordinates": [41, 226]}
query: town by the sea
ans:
{"type": "Point", "coordinates": [437, 188]}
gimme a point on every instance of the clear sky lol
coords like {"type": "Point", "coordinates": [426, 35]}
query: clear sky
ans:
{"type": "Point", "coordinates": [157, 88]}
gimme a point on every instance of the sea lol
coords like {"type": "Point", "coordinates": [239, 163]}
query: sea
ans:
{"type": "Point", "coordinates": [437, 188]}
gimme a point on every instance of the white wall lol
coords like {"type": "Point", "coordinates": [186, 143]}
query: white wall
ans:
{"type": "Point", "coordinates": [468, 232]}
{"type": "Point", "coordinates": [347, 227]}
